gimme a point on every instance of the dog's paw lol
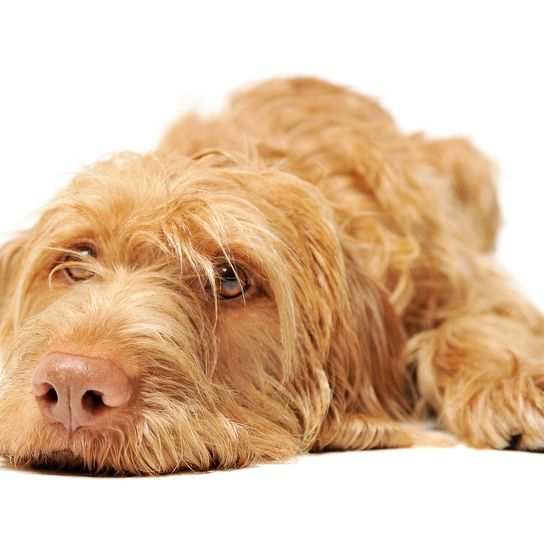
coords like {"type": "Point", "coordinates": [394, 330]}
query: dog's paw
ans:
{"type": "Point", "coordinates": [501, 412]}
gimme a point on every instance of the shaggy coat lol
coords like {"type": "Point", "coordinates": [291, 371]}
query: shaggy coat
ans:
{"type": "Point", "coordinates": [366, 297]}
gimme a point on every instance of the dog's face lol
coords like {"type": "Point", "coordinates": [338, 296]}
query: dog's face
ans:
{"type": "Point", "coordinates": [204, 290]}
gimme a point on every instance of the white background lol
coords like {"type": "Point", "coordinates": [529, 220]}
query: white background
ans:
{"type": "Point", "coordinates": [82, 79]}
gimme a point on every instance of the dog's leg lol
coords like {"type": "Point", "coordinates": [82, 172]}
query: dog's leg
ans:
{"type": "Point", "coordinates": [483, 375]}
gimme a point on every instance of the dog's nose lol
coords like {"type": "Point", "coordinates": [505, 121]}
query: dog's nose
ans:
{"type": "Point", "coordinates": [79, 391]}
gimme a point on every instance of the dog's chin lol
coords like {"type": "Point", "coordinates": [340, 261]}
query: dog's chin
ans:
{"type": "Point", "coordinates": [62, 461]}
{"type": "Point", "coordinates": [58, 450]}
{"type": "Point", "coordinates": [68, 460]}
{"type": "Point", "coordinates": [65, 460]}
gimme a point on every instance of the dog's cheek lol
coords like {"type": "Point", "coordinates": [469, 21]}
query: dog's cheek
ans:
{"type": "Point", "coordinates": [251, 367]}
{"type": "Point", "coordinates": [19, 416]}
{"type": "Point", "coordinates": [249, 341]}
{"type": "Point", "coordinates": [25, 292]}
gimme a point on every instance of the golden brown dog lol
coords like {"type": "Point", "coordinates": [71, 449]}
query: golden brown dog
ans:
{"type": "Point", "coordinates": [293, 275]}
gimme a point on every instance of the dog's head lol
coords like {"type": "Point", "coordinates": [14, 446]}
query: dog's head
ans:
{"type": "Point", "coordinates": [178, 303]}
{"type": "Point", "coordinates": [169, 313]}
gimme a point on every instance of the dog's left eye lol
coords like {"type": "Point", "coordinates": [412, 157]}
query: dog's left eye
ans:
{"type": "Point", "coordinates": [76, 273]}
{"type": "Point", "coordinates": [231, 281]}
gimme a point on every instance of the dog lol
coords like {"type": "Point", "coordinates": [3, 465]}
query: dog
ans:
{"type": "Point", "coordinates": [292, 275]}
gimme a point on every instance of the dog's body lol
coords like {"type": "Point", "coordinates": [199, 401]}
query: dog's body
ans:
{"type": "Point", "coordinates": [293, 275]}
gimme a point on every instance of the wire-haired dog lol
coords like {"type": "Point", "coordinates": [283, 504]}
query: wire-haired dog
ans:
{"type": "Point", "coordinates": [292, 275]}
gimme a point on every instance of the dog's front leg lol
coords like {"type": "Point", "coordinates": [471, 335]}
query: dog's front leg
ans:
{"type": "Point", "coordinates": [483, 374]}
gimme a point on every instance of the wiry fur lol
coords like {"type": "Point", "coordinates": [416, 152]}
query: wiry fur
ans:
{"type": "Point", "coordinates": [376, 301]}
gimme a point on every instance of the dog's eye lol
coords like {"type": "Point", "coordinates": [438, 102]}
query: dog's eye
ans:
{"type": "Point", "coordinates": [231, 281]}
{"type": "Point", "coordinates": [76, 273]}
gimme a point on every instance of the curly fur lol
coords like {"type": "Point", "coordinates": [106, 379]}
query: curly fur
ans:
{"type": "Point", "coordinates": [377, 302]}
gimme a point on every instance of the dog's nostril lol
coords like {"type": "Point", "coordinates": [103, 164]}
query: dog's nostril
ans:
{"type": "Point", "coordinates": [51, 396]}
{"type": "Point", "coordinates": [92, 401]}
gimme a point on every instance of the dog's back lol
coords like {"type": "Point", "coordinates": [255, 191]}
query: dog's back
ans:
{"type": "Point", "coordinates": [321, 130]}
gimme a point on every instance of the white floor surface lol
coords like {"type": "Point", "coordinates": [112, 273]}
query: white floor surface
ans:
{"type": "Point", "coordinates": [410, 495]}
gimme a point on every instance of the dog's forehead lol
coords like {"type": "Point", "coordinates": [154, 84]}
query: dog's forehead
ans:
{"type": "Point", "coordinates": [148, 187]}
{"type": "Point", "coordinates": [135, 198]}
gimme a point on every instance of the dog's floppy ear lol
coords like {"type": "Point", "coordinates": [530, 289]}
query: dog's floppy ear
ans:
{"type": "Point", "coordinates": [10, 256]}
{"type": "Point", "coordinates": [366, 366]}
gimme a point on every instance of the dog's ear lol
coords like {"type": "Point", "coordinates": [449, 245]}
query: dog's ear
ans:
{"type": "Point", "coordinates": [349, 338]}
{"type": "Point", "coordinates": [10, 258]}
{"type": "Point", "coordinates": [366, 365]}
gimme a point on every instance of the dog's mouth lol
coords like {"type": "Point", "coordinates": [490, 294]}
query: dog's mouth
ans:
{"type": "Point", "coordinates": [70, 436]}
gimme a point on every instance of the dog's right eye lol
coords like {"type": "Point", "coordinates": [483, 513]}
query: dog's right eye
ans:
{"type": "Point", "coordinates": [232, 281]}
{"type": "Point", "coordinates": [78, 254]}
